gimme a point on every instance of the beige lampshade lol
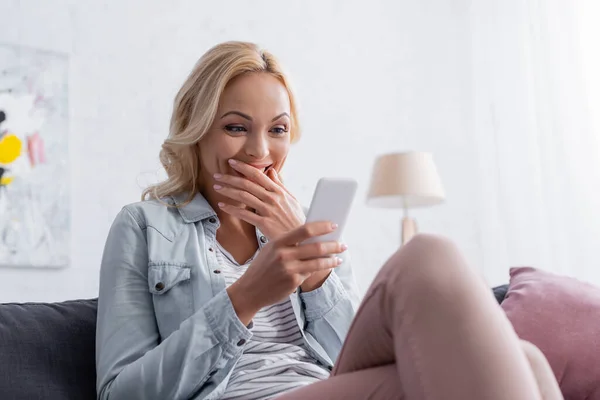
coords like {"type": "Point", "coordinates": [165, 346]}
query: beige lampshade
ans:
{"type": "Point", "coordinates": [405, 180]}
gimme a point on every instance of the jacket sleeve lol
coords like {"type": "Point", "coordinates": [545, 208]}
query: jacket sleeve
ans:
{"type": "Point", "coordinates": [330, 309]}
{"type": "Point", "coordinates": [131, 361]}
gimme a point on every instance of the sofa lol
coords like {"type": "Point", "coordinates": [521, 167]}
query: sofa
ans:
{"type": "Point", "coordinates": [47, 349]}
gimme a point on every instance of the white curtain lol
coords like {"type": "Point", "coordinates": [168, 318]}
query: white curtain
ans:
{"type": "Point", "coordinates": [534, 99]}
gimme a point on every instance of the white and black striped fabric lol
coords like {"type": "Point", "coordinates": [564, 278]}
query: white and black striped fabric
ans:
{"type": "Point", "coordinates": [275, 360]}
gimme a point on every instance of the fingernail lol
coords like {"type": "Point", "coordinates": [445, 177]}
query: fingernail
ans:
{"type": "Point", "coordinates": [217, 187]}
{"type": "Point", "coordinates": [217, 176]}
{"type": "Point", "coordinates": [344, 247]}
{"type": "Point", "coordinates": [334, 226]}
{"type": "Point", "coordinates": [338, 260]}
{"type": "Point", "coordinates": [221, 204]}
{"type": "Point", "coordinates": [232, 161]}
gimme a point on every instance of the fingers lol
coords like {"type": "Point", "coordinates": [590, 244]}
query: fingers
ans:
{"type": "Point", "coordinates": [271, 173]}
{"type": "Point", "coordinates": [242, 196]}
{"type": "Point", "coordinates": [315, 250]}
{"type": "Point", "coordinates": [254, 174]}
{"type": "Point", "coordinates": [317, 264]}
{"type": "Point", "coordinates": [241, 213]}
{"type": "Point", "coordinates": [306, 231]}
{"type": "Point", "coordinates": [245, 185]}
{"type": "Point", "coordinates": [274, 175]}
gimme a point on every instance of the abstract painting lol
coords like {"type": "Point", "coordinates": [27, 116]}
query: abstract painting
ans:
{"type": "Point", "coordinates": [34, 159]}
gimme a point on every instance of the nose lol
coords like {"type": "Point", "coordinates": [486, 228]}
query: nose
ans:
{"type": "Point", "coordinates": [257, 146]}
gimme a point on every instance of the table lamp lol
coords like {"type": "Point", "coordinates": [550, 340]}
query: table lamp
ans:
{"type": "Point", "coordinates": [405, 180]}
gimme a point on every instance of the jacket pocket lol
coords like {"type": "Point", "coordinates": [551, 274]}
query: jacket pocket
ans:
{"type": "Point", "coordinates": [170, 285]}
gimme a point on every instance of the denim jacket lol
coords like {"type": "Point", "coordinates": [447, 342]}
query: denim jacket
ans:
{"type": "Point", "coordinates": [166, 327]}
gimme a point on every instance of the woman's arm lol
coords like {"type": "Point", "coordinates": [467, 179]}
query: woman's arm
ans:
{"type": "Point", "coordinates": [131, 361]}
{"type": "Point", "coordinates": [330, 309]}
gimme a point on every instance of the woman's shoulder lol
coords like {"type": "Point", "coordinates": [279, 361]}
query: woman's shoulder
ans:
{"type": "Point", "coordinates": [152, 212]}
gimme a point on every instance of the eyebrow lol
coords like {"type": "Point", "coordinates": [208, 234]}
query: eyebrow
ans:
{"type": "Point", "coordinates": [249, 118]}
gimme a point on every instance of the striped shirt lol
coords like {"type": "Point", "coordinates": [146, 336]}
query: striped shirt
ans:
{"type": "Point", "coordinates": [275, 359]}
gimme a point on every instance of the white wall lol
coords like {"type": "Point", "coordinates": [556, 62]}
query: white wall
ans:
{"type": "Point", "coordinates": [534, 88]}
{"type": "Point", "coordinates": [372, 77]}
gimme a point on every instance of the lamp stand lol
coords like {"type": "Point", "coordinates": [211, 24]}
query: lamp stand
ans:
{"type": "Point", "coordinates": [409, 229]}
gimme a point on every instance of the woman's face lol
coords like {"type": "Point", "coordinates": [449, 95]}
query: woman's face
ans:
{"type": "Point", "coordinates": [252, 125]}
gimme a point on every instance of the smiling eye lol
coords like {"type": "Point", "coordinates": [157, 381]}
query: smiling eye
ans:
{"type": "Point", "coordinates": [279, 130]}
{"type": "Point", "coordinates": [235, 128]}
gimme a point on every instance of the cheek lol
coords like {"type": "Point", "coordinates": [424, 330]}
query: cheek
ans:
{"type": "Point", "coordinates": [279, 150]}
{"type": "Point", "coordinates": [215, 152]}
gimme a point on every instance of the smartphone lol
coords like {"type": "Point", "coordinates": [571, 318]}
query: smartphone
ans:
{"type": "Point", "coordinates": [331, 201]}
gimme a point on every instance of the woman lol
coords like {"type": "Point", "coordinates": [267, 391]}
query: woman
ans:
{"type": "Point", "coordinates": [207, 292]}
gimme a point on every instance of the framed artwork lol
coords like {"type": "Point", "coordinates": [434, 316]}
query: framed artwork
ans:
{"type": "Point", "coordinates": [34, 159]}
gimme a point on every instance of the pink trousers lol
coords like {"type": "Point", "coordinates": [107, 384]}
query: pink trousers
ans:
{"type": "Point", "coordinates": [429, 328]}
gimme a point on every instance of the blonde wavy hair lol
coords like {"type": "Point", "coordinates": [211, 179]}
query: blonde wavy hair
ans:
{"type": "Point", "coordinates": [195, 108]}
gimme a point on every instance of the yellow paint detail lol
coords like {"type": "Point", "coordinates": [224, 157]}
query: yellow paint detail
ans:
{"type": "Point", "coordinates": [6, 180]}
{"type": "Point", "coordinates": [10, 148]}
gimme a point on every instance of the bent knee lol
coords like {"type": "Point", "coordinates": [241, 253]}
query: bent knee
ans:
{"type": "Point", "coordinates": [429, 242]}
{"type": "Point", "coordinates": [433, 254]}
{"type": "Point", "coordinates": [431, 264]}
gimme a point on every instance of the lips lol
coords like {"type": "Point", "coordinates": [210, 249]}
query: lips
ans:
{"type": "Point", "coordinates": [262, 167]}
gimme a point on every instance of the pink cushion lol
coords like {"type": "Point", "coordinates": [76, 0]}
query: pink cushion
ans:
{"type": "Point", "coordinates": [560, 315]}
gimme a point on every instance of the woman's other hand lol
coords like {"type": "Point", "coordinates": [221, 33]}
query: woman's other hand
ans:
{"type": "Point", "coordinates": [276, 210]}
{"type": "Point", "coordinates": [282, 266]}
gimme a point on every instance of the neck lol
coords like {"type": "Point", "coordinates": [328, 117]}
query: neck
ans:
{"type": "Point", "coordinates": [233, 225]}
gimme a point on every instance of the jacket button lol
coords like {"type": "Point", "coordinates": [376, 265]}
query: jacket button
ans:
{"type": "Point", "coordinates": [217, 271]}
{"type": "Point", "coordinates": [241, 342]}
{"type": "Point", "coordinates": [212, 220]}
{"type": "Point", "coordinates": [159, 286]}
{"type": "Point", "coordinates": [263, 239]}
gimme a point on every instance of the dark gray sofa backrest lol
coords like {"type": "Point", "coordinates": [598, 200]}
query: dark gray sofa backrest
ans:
{"type": "Point", "coordinates": [47, 351]}
{"type": "Point", "coordinates": [500, 293]}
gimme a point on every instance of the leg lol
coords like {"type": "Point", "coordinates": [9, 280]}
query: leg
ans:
{"type": "Point", "coordinates": [435, 318]}
{"type": "Point", "coordinates": [380, 383]}
{"type": "Point", "coordinates": [542, 371]}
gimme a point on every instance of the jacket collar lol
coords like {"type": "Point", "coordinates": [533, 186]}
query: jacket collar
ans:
{"type": "Point", "coordinates": [196, 210]}
{"type": "Point", "coordinates": [199, 209]}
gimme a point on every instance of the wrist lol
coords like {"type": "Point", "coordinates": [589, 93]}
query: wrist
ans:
{"type": "Point", "coordinates": [315, 281]}
{"type": "Point", "coordinates": [242, 304]}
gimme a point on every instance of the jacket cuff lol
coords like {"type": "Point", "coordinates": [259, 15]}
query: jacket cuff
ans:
{"type": "Point", "coordinates": [226, 325]}
{"type": "Point", "coordinates": [320, 301]}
